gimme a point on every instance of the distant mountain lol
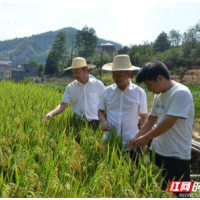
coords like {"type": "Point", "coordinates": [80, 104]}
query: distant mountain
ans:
{"type": "Point", "coordinates": [37, 47]}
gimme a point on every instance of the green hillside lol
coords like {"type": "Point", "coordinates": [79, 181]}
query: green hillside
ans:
{"type": "Point", "coordinates": [36, 47]}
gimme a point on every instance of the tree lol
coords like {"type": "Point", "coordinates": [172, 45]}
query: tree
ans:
{"type": "Point", "coordinates": [175, 38]}
{"type": "Point", "coordinates": [162, 43]}
{"type": "Point", "coordinates": [143, 59]}
{"type": "Point", "coordinates": [58, 55]}
{"type": "Point", "coordinates": [195, 54]}
{"type": "Point", "coordinates": [60, 45]}
{"type": "Point", "coordinates": [170, 57]}
{"type": "Point", "coordinates": [71, 39]}
{"type": "Point", "coordinates": [181, 72]}
{"type": "Point", "coordinates": [191, 39]}
{"type": "Point", "coordinates": [139, 54]}
{"type": "Point", "coordinates": [41, 69]}
{"type": "Point", "coordinates": [86, 42]}
{"type": "Point", "coordinates": [51, 66]}
{"type": "Point", "coordinates": [124, 50]}
{"type": "Point", "coordinates": [33, 62]}
{"type": "Point", "coordinates": [197, 28]}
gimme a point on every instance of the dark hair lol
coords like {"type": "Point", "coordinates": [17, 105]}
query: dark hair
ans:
{"type": "Point", "coordinates": [151, 70]}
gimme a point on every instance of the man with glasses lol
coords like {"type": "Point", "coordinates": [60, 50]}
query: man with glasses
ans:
{"type": "Point", "coordinates": [83, 94]}
{"type": "Point", "coordinates": [122, 101]}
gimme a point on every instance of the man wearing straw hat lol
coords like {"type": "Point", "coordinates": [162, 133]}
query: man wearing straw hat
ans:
{"type": "Point", "coordinates": [123, 101]}
{"type": "Point", "coordinates": [83, 94]}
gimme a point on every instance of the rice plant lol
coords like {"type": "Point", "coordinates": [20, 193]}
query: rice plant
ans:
{"type": "Point", "coordinates": [63, 157]}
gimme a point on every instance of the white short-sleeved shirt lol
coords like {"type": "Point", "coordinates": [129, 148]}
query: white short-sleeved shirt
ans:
{"type": "Point", "coordinates": [84, 97]}
{"type": "Point", "coordinates": [178, 102]}
{"type": "Point", "coordinates": [122, 109]}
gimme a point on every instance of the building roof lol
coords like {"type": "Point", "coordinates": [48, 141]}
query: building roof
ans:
{"type": "Point", "coordinates": [4, 65]}
{"type": "Point", "coordinates": [107, 44]}
{"type": "Point", "coordinates": [5, 62]}
{"type": "Point", "coordinates": [1, 59]}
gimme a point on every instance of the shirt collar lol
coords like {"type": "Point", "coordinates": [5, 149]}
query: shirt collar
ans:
{"type": "Point", "coordinates": [89, 80]}
{"type": "Point", "coordinates": [128, 87]}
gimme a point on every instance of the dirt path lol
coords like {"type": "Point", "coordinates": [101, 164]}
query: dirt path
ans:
{"type": "Point", "coordinates": [191, 76]}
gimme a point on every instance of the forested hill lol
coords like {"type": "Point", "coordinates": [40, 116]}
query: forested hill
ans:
{"type": "Point", "coordinates": [37, 47]}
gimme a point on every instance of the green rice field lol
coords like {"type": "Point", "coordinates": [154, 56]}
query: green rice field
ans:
{"type": "Point", "coordinates": [64, 157]}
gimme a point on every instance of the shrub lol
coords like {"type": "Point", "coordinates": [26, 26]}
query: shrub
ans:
{"type": "Point", "coordinates": [27, 80]}
{"type": "Point", "coordinates": [37, 80]}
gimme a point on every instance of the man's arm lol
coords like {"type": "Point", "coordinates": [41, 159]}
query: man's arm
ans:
{"type": "Point", "coordinates": [143, 118]}
{"type": "Point", "coordinates": [160, 129]}
{"type": "Point", "coordinates": [60, 108]}
{"type": "Point", "coordinates": [146, 127]}
{"type": "Point", "coordinates": [102, 118]}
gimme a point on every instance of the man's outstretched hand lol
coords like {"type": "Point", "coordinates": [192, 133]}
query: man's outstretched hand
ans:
{"type": "Point", "coordinates": [131, 143]}
{"type": "Point", "coordinates": [141, 141]}
{"type": "Point", "coordinates": [47, 117]}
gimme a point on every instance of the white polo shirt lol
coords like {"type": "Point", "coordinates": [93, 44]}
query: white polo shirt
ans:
{"type": "Point", "coordinates": [178, 102]}
{"type": "Point", "coordinates": [84, 97]}
{"type": "Point", "coordinates": [122, 109]}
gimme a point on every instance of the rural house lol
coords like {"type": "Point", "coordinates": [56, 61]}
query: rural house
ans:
{"type": "Point", "coordinates": [25, 70]}
{"type": "Point", "coordinates": [5, 69]}
{"type": "Point", "coordinates": [107, 47]}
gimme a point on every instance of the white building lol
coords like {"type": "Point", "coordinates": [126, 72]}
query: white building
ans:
{"type": "Point", "coordinates": [5, 69]}
{"type": "Point", "coordinates": [107, 47]}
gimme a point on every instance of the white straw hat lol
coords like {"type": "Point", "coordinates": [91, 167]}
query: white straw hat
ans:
{"type": "Point", "coordinates": [120, 62]}
{"type": "Point", "coordinates": [79, 62]}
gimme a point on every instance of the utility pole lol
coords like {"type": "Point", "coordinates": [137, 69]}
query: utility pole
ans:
{"type": "Point", "coordinates": [101, 63]}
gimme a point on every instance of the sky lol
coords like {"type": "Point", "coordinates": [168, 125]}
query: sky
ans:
{"type": "Point", "coordinates": [127, 22]}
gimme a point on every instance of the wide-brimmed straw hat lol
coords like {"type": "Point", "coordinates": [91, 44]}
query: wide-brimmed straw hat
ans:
{"type": "Point", "coordinates": [120, 62]}
{"type": "Point", "coordinates": [79, 62]}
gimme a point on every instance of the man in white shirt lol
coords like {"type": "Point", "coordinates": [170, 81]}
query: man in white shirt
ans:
{"type": "Point", "coordinates": [173, 108]}
{"type": "Point", "coordinates": [123, 101]}
{"type": "Point", "coordinates": [83, 94]}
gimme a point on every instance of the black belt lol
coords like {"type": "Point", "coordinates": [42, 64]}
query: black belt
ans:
{"type": "Point", "coordinates": [93, 121]}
